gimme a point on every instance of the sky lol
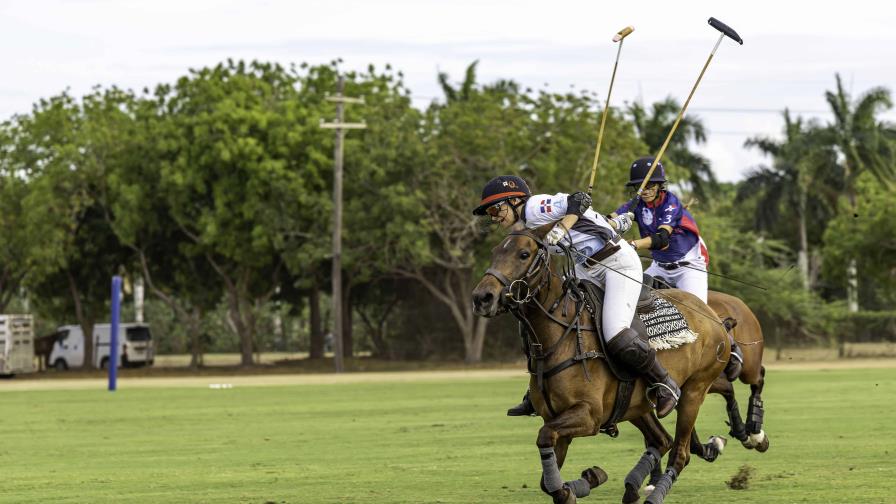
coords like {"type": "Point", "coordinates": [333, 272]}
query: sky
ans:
{"type": "Point", "coordinates": [790, 54]}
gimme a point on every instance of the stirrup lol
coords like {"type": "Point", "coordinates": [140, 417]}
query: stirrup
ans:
{"type": "Point", "coordinates": [657, 385]}
{"type": "Point", "coordinates": [734, 366]}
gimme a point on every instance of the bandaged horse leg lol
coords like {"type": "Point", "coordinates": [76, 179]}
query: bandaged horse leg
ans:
{"type": "Point", "coordinates": [755, 413]}
{"type": "Point", "coordinates": [553, 441]}
{"type": "Point", "coordinates": [658, 443]}
{"type": "Point", "coordinates": [689, 405]}
{"type": "Point", "coordinates": [725, 388]}
{"type": "Point", "coordinates": [709, 451]}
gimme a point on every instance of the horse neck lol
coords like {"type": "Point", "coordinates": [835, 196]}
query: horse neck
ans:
{"type": "Point", "coordinates": [549, 331]}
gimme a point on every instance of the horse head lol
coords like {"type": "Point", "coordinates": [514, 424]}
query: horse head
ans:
{"type": "Point", "coordinates": [519, 267]}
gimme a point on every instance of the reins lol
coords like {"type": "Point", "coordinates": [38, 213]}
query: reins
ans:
{"type": "Point", "coordinates": [517, 295]}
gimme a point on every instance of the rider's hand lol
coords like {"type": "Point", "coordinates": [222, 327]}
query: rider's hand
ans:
{"type": "Point", "coordinates": [577, 203]}
{"type": "Point", "coordinates": [623, 222]}
{"type": "Point", "coordinates": [555, 235]}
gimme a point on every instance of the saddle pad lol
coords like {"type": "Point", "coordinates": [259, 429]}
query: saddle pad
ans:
{"type": "Point", "coordinates": [666, 326]}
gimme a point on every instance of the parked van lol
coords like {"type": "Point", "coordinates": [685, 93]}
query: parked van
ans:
{"type": "Point", "coordinates": [135, 340]}
{"type": "Point", "coordinates": [16, 344]}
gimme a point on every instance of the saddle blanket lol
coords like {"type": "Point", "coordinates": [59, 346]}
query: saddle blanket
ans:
{"type": "Point", "coordinates": [666, 326]}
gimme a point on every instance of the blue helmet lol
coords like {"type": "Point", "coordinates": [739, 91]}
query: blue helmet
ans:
{"type": "Point", "coordinates": [500, 189]}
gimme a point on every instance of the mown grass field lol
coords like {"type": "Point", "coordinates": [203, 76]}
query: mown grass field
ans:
{"type": "Point", "coordinates": [443, 441]}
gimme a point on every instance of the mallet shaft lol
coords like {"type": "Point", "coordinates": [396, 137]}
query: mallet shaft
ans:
{"type": "Point", "coordinates": [603, 120]}
{"type": "Point", "coordinates": [662, 151]}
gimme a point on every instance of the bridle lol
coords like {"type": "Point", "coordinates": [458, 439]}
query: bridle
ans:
{"type": "Point", "coordinates": [519, 294]}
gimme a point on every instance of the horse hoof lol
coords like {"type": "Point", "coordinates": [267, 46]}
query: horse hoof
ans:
{"type": "Point", "coordinates": [631, 495]}
{"type": "Point", "coordinates": [763, 445]}
{"type": "Point", "coordinates": [595, 476]}
{"type": "Point", "coordinates": [568, 498]}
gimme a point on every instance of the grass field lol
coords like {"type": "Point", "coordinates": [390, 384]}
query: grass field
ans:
{"type": "Point", "coordinates": [435, 440]}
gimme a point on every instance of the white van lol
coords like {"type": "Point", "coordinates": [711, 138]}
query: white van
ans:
{"type": "Point", "coordinates": [16, 344]}
{"type": "Point", "coordinates": [135, 340]}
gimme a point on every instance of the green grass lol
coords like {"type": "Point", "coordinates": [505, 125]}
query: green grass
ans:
{"type": "Point", "coordinates": [831, 441]}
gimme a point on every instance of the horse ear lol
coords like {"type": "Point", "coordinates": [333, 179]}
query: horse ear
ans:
{"type": "Point", "coordinates": [542, 231]}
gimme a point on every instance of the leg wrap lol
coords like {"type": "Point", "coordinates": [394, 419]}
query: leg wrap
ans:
{"type": "Point", "coordinates": [738, 429]}
{"type": "Point", "coordinates": [579, 487]}
{"type": "Point", "coordinates": [662, 487]}
{"type": "Point", "coordinates": [754, 415]}
{"type": "Point", "coordinates": [648, 461]}
{"type": "Point", "coordinates": [655, 474]}
{"type": "Point", "coordinates": [550, 473]}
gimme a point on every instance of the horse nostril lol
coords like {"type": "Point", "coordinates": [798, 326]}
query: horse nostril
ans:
{"type": "Point", "coordinates": [482, 299]}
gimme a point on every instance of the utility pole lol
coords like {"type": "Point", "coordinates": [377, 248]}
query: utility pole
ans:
{"type": "Point", "coordinates": [340, 128]}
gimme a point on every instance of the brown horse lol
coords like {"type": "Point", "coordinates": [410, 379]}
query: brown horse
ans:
{"type": "Point", "coordinates": [578, 399]}
{"type": "Point", "coordinates": [748, 335]}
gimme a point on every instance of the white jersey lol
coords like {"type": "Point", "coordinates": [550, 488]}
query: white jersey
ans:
{"type": "Point", "coordinates": [588, 235]}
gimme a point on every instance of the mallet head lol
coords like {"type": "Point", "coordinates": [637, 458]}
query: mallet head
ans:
{"type": "Point", "coordinates": [727, 30]}
{"type": "Point", "coordinates": [623, 33]}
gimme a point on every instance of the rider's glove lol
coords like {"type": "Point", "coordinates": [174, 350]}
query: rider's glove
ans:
{"type": "Point", "coordinates": [623, 222]}
{"type": "Point", "coordinates": [577, 203]}
{"type": "Point", "coordinates": [555, 235]}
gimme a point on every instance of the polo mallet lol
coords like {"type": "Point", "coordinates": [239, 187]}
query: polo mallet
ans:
{"type": "Point", "coordinates": [726, 31]}
{"type": "Point", "coordinates": [619, 37]}
{"type": "Point", "coordinates": [570, 220]}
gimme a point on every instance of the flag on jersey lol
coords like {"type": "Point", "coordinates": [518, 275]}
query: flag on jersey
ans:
{"type": "Point", "coordinates": [545, 205]}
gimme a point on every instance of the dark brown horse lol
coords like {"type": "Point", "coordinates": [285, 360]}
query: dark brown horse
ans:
{"type": "Point", "coordinates": [578, 399]}
{"type": "Point", "coordinates": [748, 335]}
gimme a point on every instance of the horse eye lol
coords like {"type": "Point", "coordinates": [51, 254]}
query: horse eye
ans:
{"type": "Point", "coordinates": [524, 254]}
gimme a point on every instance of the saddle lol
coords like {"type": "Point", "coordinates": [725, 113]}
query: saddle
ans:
{"type": "Point", "coordinates": [646, 300]}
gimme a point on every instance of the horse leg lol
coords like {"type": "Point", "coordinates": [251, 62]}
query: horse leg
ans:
{"type": "Point", "coordinates": [658, 443]}
{"type": "Point", "coordinates": [689, 404]}
{"type": "Point", "coordinates": [709, 451]}
{"type": "Point", "coordinates": [755, 413]}
{"type": "Point", "coordinates": [576, 421]}
{"type": "Point", "coordinates": [726, 389]}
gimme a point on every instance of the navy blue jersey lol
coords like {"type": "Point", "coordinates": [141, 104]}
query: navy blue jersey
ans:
{"type": "Point", "coordinates": [666, 210]}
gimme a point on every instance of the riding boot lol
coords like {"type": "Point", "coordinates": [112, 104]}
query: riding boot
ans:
{"type": "Point", "coordinates": [524, 408]}
{"type": "Point", "coordinates": [735, 361]}
{"type": "Point", "coordinates": [635, 353]}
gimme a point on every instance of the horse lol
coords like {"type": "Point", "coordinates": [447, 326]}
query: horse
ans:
{"type": "Point", "coordinates": [573, 387]}
{"type": "Point", "coordinates": [748, 334]}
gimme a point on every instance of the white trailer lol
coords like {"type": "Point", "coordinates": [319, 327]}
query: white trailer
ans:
{"type": "Point", "coordinates": [16, 344]}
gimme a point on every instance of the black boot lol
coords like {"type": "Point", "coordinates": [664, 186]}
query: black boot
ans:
{"type": "Point", "coordinates": [735, 361]}
{"type": "Point", "coordinates": [635, 353]}
{"type": "Point", "coordinates": [524, 408]}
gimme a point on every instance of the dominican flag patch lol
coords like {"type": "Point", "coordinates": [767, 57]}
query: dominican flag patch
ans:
{"type": "Point", "coordinates": [545, 205]}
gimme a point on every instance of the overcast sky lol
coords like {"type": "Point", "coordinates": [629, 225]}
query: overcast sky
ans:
{"type": "Point", "coordinates": [790, 54]}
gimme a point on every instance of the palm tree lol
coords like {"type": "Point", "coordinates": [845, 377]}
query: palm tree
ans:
{"type": "Point", "coordinates": [864, 144]}
{"type": "Point", "coordinates": [796, 180]}
{"type": "Point", "coordinates": [652, 127]}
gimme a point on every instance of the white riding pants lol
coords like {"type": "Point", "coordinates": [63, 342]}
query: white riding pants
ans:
{"type": "Point", "coordinates": [620, 275]}
{"type": "Point", "coordinates": [691, 278]}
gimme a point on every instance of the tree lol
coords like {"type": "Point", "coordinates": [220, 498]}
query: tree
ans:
{"type": "Point", "coordinates": [231, 177]}
{"type": "Point", "coordinates": [865, 144]}
{"type": "Point", "coordinates": [795, 182]}
{"type": "Point", "coordinates": [654, 125]}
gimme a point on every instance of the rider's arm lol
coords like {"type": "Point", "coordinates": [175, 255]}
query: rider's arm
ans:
{"type": "Point", "coordinates": [656, 241]}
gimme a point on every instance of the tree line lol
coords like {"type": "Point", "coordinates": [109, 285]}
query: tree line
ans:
{"type": "Point", "coordinates": [216, 191]}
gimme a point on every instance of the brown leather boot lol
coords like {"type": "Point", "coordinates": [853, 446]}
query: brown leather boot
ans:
{"type": "Point", "coordinates": [627, 347]}
{"type": "Point", "coordinates": [524, 408]}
